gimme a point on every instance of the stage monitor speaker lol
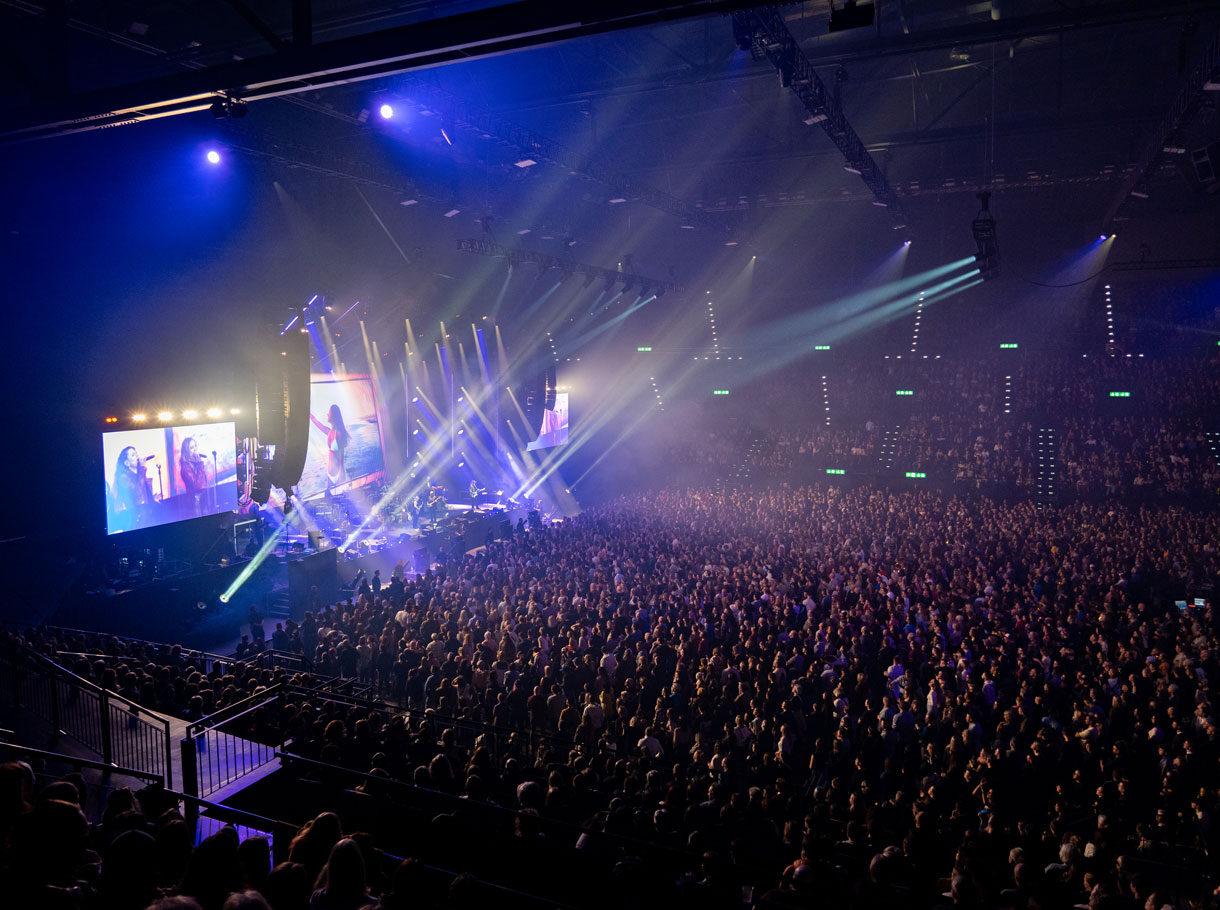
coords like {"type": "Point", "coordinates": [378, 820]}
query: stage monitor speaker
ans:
{"type": "Point", "coordinates": [419, 560]}
{"type": "Point", "coordinates": [292, 424]}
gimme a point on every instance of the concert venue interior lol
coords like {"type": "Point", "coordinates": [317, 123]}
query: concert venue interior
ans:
{"type": "Point", "coordinates": [610, 454]}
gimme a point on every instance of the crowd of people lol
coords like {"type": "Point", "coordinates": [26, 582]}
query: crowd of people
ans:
{"type": "Point", "coordinates": [872, 698]}
{"type": "Point", "coordinates": [978, 423]}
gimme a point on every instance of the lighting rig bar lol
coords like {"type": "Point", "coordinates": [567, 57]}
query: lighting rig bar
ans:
{"type": "Point", "coordinates": [305, 66]}
{"type": "Point", "coordinates": [545, 261]}
{"type": "Point", "coordinates": [542, 149]}
{"type": "Point", "coordinates": [1203, 77]}
{"type": "Point", "coordinates": [764, 34]}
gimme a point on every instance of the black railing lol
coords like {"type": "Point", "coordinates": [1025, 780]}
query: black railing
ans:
{"type": "Point", "coordinates": [219, 749]}
{"type": "Point", "coordinates": [154, 650]}
{"type": "Point", "coordinates": [77, 763]}
{"type": "Point", "coordinates": [558, 828]}
{"type": "Point", "coordinates": [467, 733]}
{"type": "Point", "coordinates": [106, 723]}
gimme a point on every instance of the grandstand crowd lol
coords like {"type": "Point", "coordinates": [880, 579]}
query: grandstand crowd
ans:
{"type": "Point", "coordinates": [792, 697]}
{"type": "Point", "coordinates": [992, 424]}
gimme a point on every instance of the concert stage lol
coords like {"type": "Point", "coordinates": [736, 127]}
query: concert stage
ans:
{"type": "Point", "coordinates": [460, 531]}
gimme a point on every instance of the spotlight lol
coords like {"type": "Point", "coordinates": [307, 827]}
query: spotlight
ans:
{"type": "Point", "coordinates": [906, 243]}
{"type": "Point", "coordinates": [213, 413]}
{"type": "Point", "coordinates": [112, 420]}
{"type": "Point", "coordinates": [218, 109]}
{"type": "Point", "coordinates": [1102, 237]}
{"type": "Point", "coordinates": [415, 399]}
{"type": "Point", "coordinates": [164, 416]}
{"type": "Point", "coordinates": [386, 111]}
{"type": "Point", "coordinates": [237, 109]}
{"type": "Point", "coordinates": [190, 414]}
{"type": "Point", "coordinates": [139, 418]}
{"type": "Point", "coordinates": [213, 156]}
{"type": "Point", "coordinates": [234, 411]}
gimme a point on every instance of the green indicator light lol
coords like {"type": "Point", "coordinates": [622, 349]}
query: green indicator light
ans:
{"type": "Point", "coordinates": [821, 347]}
{"type": "Point", "coordinates": [905, 392]}
{"type": "Point", "coordinates": [835, 471]}
{"type": "Point", "coordinates": [1008, 346]}
{"type": "Point", "coordinates": [1120, 394]}
{"type": "Point", "coordinates": [644, 349]}
{"type": "Point", "coordinates": [720, 391]}
{"type": "Point", "coordinates": [916, 474]}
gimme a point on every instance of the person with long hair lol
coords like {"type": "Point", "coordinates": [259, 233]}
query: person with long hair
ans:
{"type": "Point", "coordinates": [342, 883]}
{"type": "Point", "coordinates": [193, 469]}
{"type": "Point", "coordinates": [337, 439]}
{"type": "Point", "coordinates": [131, 490]}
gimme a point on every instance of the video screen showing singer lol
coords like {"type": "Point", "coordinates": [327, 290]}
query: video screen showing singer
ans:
{"type": "Point", "coordinates": [196, 482]}
{"type": "Point", "coordinates": [164, 474]}
{"type": "Point", "coordinates": [132, 490]}
{"type": "Point", "coordinates": [336, 445]}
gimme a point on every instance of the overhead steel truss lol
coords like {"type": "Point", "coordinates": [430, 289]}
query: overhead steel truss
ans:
{"type": "Point", "coordinates": [764, 33]}
{"type": "Point", "coordinates": [1165, 141]}
{"type": "Point", "coordinates": [302, 66]}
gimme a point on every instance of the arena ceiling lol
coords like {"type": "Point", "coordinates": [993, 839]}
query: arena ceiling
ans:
{"type": "Point", "coordinates": [945, 95]}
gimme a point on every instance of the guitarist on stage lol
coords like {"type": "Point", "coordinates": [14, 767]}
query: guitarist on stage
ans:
{"type": "Point", "coordinates": [475, 492]}
{"type": "Point", "coordinates": [436, 503]}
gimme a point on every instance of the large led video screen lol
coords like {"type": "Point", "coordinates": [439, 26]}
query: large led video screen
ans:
{"type": "Point", "coordinates": [344, 436]}
{"type": "Point", "coordinates": [554, 429]}
{"type": "Point", "coordinates": [163, 474]}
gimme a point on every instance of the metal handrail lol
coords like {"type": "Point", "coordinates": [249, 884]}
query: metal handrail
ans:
{"type": "Point", "coordinates": [154, 779]}
{"type": "Point", "coordinates": [432, 714]}
{"type": "Point", "coordinates": [264, 823]}
{"type": "Point", "coordinates": [186, 652]}
{"type": "Point", "coordinates": [106, 699]}
{"type": "Point", "coordinates": [215, 719]}
{"type": "Point", "coordinates": [265, 652]}
{"type": "Point", "coordinates": [550, 903]}
{"type": "Point", "coordinates": [93, 687]}
{"type": "Point", "coordinates": [467, 802]}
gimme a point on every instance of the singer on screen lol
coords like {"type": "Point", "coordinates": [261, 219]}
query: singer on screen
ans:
{"type": "Point", "coordinates": [132, 488]}
{"type": "Point", "coordinates": [194, 472]}
{"type": "Point", "coordinates": [336, 443]}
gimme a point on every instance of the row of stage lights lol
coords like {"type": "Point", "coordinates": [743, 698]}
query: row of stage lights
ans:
{"type": "Point", "coordinates": [169, 416]}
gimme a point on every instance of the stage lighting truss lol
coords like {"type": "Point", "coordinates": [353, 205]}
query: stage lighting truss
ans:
{"type": "Point", "coordinates": [764, 33]}
{"type": "Point", "coordinates": [141, 418]}
{"type": "Point", "coordinates": [984, 231]}
{"type": "Point", "coordinates": [568, 266]}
